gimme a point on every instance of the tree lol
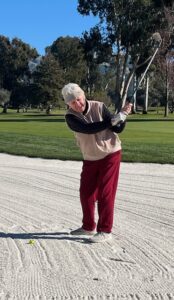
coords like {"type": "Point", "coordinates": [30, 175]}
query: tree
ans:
{"type": "Point", "coordinates": [4, 99]}
{"type": "Point", "coordinates": [94, 53]}
{"type": "Point", "coordinates": [20, 96]}
{"type": "Point", "coordinates": [5, 50]}
{"type": "Point", "coordinates": [126, 28]}
{"type": "Point", "coordinates": [14, 59]}
{"type": "Point", "coordinates": [69, 54]}
{"type": "Point", "coordinates": [47, 83]}
{"type": "Point", "coordinates": [157, 88]}
{"type": "Point", "coordinates": [165, 58]}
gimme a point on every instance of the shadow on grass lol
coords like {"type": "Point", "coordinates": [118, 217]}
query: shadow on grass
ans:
{"type": "Point", "coordinates": [43, 115]}
{"type": "Point", "coordinates": [50, 119]}
{"type": "Point", "coordinates": [32, 120]}
{"type": "Point", "coordinates": [150, 120]}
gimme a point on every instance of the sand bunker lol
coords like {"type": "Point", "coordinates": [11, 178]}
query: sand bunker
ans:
{"type": "Point", "coordinates": [39, 205]}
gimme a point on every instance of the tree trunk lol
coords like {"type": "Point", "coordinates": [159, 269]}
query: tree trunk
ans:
{"type": "Point", "coordinates": [4, 110]}
{"type": "Point", "coordinates": [145, 108]}
{"type": "Point", "coordinates": [128, 82]}
{"type": "Point", "coordinates": [48, 110]}
{"type": "Point", "coordinates": [166, 108]}
{"type": "Point", "coordinates": [134, 108]}
{"type": "Point", "coordinates": [167, 93]}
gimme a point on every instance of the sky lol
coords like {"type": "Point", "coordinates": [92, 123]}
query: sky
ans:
{"type": "Point", "coordinates": [40, 22]}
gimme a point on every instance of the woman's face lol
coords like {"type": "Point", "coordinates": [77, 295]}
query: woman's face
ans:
{"type": "Point", "coordinates": [78, 104]}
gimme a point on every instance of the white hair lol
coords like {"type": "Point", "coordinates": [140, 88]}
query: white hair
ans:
{"type": "Point", "coordinates": [71, 91]}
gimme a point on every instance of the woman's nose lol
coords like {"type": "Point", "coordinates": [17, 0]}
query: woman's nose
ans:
{"type": "Point", "coordinates": [77, 103]}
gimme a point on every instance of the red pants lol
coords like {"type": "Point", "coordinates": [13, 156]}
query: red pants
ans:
{"type": "Point", "coordinates": [99, 181]}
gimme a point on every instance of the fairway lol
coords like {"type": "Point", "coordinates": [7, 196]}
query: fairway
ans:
{"type": "Point", "coordinates": [37, 135]}
{"type": "Point", "coordinates": [148, 141]}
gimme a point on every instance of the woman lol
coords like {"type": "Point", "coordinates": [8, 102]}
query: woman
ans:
{"type": "Point", "coordinates": [96, 131]}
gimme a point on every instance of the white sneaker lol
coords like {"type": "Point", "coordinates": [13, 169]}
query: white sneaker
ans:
{"type": "Point", "coordinates": [101, 237]}
{"type": "Point", "coordinates": [81, 231]}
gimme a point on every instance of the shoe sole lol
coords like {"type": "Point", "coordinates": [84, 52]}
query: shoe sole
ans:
{"type": "Point", "coordinates": [101, 241]}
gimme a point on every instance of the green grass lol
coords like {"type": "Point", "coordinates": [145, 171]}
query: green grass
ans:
{"type": "Point", "coordinates": [147, 138]}
{"type": "Point", "coordinates": [148, 141]}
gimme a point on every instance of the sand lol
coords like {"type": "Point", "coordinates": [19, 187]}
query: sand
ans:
{"type": "Point", "coordinates": [39, 259]}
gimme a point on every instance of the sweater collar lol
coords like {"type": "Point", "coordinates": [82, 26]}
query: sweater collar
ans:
{"type": "Point", "coordinates": [86, 108]}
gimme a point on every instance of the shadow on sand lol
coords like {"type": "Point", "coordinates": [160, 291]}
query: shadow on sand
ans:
{"type": "Point", "coordinates": [45, 235]}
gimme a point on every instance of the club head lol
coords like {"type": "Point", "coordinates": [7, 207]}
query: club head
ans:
{"type": "Point", "coordinates": [156, 38]}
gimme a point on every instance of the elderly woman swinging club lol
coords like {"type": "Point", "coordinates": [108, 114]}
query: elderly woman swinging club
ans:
{"type": "Point", "coordinates": [96, 131]}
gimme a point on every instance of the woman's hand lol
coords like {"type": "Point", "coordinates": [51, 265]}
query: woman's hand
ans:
{"type": "Point", "coordinates": [122, 115]}
{"type": "Point", "coordinates": [127, 108]}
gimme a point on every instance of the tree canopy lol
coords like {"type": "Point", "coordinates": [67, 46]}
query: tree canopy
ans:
{"type": "Point", "coordinates": [14, 58]}
{"type": "Point", "coordinates": [47, 82]}
{"type": "Point", "coordinates": [69, 54]}
{"type": "Point", "coordinates": [104, 61]}
{"type": "Point", "coordinates": [127, 28]}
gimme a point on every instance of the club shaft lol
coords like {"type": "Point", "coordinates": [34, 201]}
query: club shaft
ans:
{"type": "Point", "coordinates": [144, 74]}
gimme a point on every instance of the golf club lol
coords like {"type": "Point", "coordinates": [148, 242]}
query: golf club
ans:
{"type": "Point", "coordinates": [120, 116]}
{"type": "Point", "coordinates": [158, 40]}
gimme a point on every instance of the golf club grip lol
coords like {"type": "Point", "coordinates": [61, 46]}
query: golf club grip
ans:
{"type": "Point", "coordinates": [121, 104]}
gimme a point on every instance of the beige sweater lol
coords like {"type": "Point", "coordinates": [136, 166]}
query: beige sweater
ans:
{"type": "Point", "coordinates": [94, 146]}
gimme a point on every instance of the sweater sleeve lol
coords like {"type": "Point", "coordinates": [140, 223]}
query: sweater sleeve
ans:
{"type": "Point", "coordinates": [79, 125]}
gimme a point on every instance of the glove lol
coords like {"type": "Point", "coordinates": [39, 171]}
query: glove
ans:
{"type": "Point", "coordinates": [120, 117]}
